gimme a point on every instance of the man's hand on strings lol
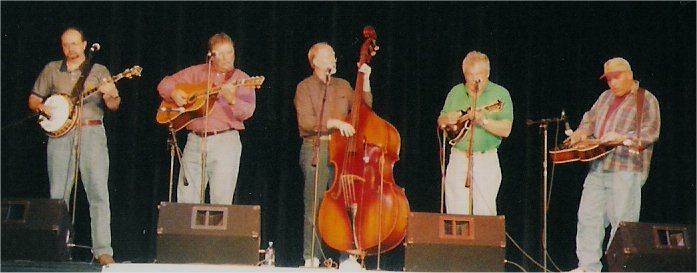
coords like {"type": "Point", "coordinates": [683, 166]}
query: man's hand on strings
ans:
{"type": "Point", "coordinates": [575, 138]}
{"type": "Point", "coordinates": [179, 97]}
{"type": "Point", "coordinates": [45, 111]}
{"type": "Point", "coordinates": [229, 92]}
{"type": "Point", "coordinates": [613, 138]}
{"type": "Point", "coordinates": [344, 128]}
{"type": "Point", "coordinates": [108, 88]}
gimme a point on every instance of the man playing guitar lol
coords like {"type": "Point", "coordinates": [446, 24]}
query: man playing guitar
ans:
{"type": "Point", "coordinates": [214, 136]}
{"type": "Point", "coordinates": [628, 116]}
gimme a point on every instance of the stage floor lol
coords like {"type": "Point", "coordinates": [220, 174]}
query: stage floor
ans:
{"type": "Point", "coordinates": [156, 267]}
{"type": "Point", "coordinates": [33, 266]}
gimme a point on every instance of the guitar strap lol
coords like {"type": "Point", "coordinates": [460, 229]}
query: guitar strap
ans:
{"type": "Point", "coordinates": [639, 112]}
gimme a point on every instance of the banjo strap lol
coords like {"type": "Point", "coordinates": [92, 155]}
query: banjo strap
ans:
{"type": "Point", "coordinates": [85, 70]}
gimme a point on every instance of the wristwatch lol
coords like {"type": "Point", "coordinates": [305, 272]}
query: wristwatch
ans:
{"type": "Point", "coordinates": [485, 121]}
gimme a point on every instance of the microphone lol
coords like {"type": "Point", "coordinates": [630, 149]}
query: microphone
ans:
{"type": "Point", "coordinates": [529, 122]}
{"type": "Point", "coordinates": [95, 47]}
{"type": "Point", "coordinates": [567, 128]}
{"type": "Point", "coordinates": [211, 54]}
{"type": "Point", "coordinates": [331, 70]}
{"type": "Point", "coordinates": [329, 75]}
{"type": "Point", "coordinates": [476, 86]}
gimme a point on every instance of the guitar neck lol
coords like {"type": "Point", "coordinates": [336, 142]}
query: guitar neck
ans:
{"type": "Point", "coordinates": [216, 89]}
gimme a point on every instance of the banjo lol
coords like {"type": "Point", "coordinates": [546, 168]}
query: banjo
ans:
{"type": "Point", "coordinates": [64, 108]}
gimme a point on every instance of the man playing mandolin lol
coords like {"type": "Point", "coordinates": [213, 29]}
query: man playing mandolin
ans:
{"type": "Point", "coordinates": [628, 116]}
{"type": "Point", "coordinates": [220, 127]}
{"type": "Point", "coordinates": [60, 77]}
{"type": "Point", "coordinates": [491, 121]}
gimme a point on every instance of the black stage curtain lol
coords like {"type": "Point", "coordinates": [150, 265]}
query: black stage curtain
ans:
{"type": "Point", "coordinates": [549, 55]}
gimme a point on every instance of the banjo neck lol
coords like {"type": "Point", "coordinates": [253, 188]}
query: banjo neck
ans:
{"type": "Point", "coordinates": [63, 107]}
{"type": "Point", "coordinates": [84, 95]}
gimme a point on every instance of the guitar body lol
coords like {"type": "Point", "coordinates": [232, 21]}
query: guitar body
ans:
{"type": "Point", "coordinates": [180, 116]}
{"type": "Point", "coordinates": [584, 153]}
{"type": "Point", "coordinates": [62, 116]}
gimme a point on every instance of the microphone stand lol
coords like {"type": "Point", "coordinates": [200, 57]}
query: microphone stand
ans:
{"type": "Point", "coordinates": [86, 68]}
{"type": "Point", "coordinates": [174, 147]}
{"type": "Point", "coordinates": [468, 180]}
{"type": "Point", "coordinates": [442, 171]}
{"type": "Point", "coordinates": [543, 124]}
{"type": "Point", "coordinates": [205, 131]}
{"type": "Point", "coordinates": [76, 142]}
{"type": "Point", "coordinates": [316, 164]}
{"type": "Point", "coordinates": [20, 121]}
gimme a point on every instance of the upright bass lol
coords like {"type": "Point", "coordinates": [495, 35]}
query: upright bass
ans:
{"type": "Point", "coordinates": [364, 212]}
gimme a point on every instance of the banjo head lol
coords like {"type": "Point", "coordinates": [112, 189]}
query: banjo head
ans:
{"type": "Point", "coordinates": [61, 107]}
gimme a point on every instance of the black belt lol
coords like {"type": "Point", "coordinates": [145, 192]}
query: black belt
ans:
{"type": "Point", "coordinates": [212, 133]}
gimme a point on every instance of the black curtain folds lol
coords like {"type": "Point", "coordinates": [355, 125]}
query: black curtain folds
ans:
{"type": "Point", "coordinates": [549, 55]}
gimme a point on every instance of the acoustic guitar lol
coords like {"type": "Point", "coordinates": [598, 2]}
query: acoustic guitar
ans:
{"type": "Point", "coordinates": [64, 108]}
{"type": "Point", "coordinates": [585, 151]}
{"type": "Point", "coordinates": [589, 150]}
{"type": "Point", "coordinates": [180, 116]}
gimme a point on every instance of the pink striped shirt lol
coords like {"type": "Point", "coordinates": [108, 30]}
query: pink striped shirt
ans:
{"type": "Point", "coordinates": [223, 116]}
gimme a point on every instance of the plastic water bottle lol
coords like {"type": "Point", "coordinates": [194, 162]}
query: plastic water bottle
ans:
{"type": "Point", "coordinates": [270, 255]}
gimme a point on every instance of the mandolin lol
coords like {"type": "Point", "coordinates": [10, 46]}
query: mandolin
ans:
{"type": "Point", "coordinates": [457, 131]}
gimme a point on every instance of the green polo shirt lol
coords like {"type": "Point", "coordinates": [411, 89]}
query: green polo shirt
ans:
{"type": "Point", "coordinates": [459, 99]}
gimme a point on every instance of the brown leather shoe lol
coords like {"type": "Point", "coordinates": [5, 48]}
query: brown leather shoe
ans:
{"type": "Point", "coordinates": [105, 259]}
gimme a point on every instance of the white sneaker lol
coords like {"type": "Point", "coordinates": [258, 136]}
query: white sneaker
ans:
{"type": "Point", "coordinates": [351, 264]}
{"type": "Point", "coordinates": [314, 262]}
{"type": "Point", "coordinates": [578, 269]}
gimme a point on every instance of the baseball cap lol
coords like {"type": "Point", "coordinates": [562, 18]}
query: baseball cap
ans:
{"type": "Point", "coordinates": [614, 66]}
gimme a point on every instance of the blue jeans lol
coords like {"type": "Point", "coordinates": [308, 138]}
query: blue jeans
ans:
{"type": "Point", "coordinates": [326, 174]}
{"type": "Point", "coordinates": [94, 171]}
{"type": "Point", "coordinates": [223, 152]}
{"type": "Point", "coordinates": [607, 198]}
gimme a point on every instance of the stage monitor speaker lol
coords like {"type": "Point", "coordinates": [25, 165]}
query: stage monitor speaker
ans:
{"type": "Point", "coordinates": [35, 230]}
{"type": "Point", "coordinates": [652, 247]}
{"type": "Point", "coordinates": [449, 242]}
{"type": "Point", "coordinates": [207, 233]}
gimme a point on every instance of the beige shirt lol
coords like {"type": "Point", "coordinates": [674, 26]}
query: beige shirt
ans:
{"type": "Point", "coordinates": [308, 103]}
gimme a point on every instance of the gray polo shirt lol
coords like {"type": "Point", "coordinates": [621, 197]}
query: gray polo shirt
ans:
{"type": "Point", "coordinates": [56, 79]}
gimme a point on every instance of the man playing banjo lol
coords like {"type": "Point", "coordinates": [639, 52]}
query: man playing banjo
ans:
{"type": "Point", "coordinates": [64, 77]}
